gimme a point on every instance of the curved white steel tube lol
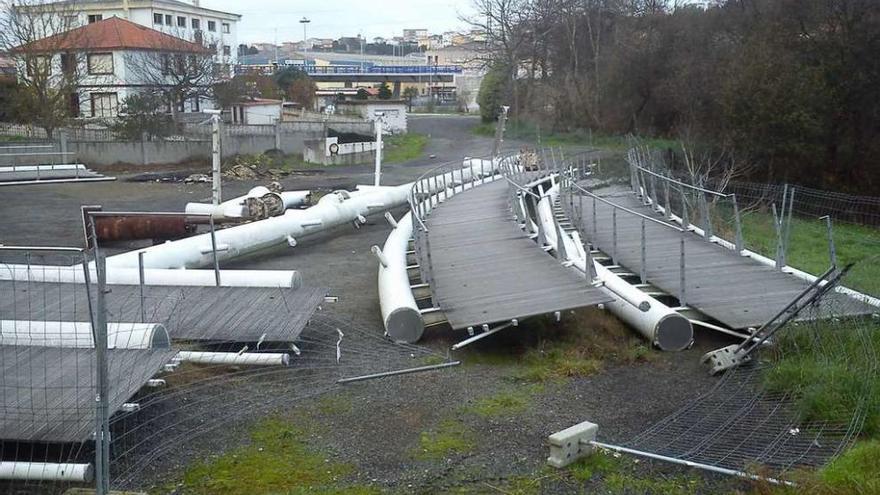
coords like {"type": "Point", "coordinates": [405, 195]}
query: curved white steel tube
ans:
{"type": "Point", "coordinates": [400, 314]}
{"type": "Point", "coordinates": [331, 210]}
{"type": "Point", "coordinates": [654, 320]}
{"type": "Point", "coordinates": [234, 358]}
{"type": "Point", "coordinates": [154, 276]}
{"type": "Point", "coordinates": [79, 334]}
{"type": "Point", "coordinates": [46, 471]}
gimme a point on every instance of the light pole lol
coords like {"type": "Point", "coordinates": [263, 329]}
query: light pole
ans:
{"type": "Point", "coordinates": [362, 52]}
{"type": "Point", "coordinates": [305, 22]}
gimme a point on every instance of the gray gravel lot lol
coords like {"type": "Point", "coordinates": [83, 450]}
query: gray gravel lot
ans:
{"type": "Point", "coordinates": [379, 433]}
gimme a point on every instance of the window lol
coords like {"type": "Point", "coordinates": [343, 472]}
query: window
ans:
{"type": "Point", "coordinates": [180, 104]}
{"type": "Point", "coordinates": [95, 18]}
{"type": "Point", "coordinates": [226, 27]}
{"type": "Point", "coordinates": [181, 21]}
{"type": "Point", "coordinates": [213, 47]}
{"type": "Point", "coordinates": [39, 66]}
{"type": "Point", "coordinates": [167, 19]}
{"type": "Point", "coordinates": [74, 104]}
{"type": "Point", "coordinates": [68, 63]}
{"type": "Point", "coordinates": [197, 37]}
{"type": "Point", "coordinates": [166, 64]}
{"type": "Point", "coordinates": [104, 104]}
{"type": "Point", "coordinates": [194, 105]}
{"type": "Point", "coordinates": [100, 63]}
{"type": "Point", "coordinates": [71, 21]}
{"type": "Point", "coordinates": [227, 50]}
{"type": "Point", "coordinates": [196, 24]}
{"type": "Point", "coordinates": [157, 19]}
{"type": "Point", "coordinates": [212, 26]}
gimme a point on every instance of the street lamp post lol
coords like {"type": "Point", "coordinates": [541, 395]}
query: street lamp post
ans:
{"type": "Point", "coordinates": [305, 22]}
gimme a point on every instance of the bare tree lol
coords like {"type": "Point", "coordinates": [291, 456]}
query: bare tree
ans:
{"type": "Point", "coordinates": [178, 71]}
{"type": "Point", "coordinates": [39, 37]}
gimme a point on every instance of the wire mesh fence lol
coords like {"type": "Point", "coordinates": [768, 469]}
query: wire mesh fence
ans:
{"type": "Point", "coordinates": [787, 226]}
{"type": "Point", "coordinates": [803, 400]}
{"type": "Point", "coordinates": [180, 363]}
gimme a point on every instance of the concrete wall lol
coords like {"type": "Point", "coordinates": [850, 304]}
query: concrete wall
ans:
{"type": "Point", "coordinates": [316, 152]}
{"type": "Point", "coordinates": [169, 152]}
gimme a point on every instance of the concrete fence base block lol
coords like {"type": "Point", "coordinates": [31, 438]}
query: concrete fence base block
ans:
{"type": "Point", "coordinates": [571, 444]}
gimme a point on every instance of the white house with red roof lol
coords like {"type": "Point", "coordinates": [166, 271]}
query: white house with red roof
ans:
{"type": "Point", "coordinates": [186, 20]}
{"type": "Point", "coordinates": [114, 58]}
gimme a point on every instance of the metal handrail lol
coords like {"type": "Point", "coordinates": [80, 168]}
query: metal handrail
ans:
{"type": "Point", "coordinates": [680, 183]}
{"type": "Point", "coordinates": [627, 210]}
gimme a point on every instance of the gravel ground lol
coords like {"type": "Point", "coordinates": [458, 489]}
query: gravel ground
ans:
{"type": "Point", "coordinates": [379, 433]}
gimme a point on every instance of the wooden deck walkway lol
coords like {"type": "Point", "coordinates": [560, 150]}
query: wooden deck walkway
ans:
{"type": "Point", "coordinates": [486, 270]}
{"type": "Point", "coordinates": [48, 393]}
{"type": "Point", "coordinates": [735, 290]}
{"type": "Point", "coordinates": [217, 314]}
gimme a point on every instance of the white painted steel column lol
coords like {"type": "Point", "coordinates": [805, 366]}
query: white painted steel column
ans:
{"type": "Point", "coordinates": [154, 276]}
{"type": "Point", "coordinates": [46, 471]}
{"type": "Point", "coordinates": [234, 358]}
{"type": "Point", "coordinates": [657, 322]}
{"type": "Point", "coordinates": [79, 334]}
{"type": "Point", "coordinates": [400, 314]}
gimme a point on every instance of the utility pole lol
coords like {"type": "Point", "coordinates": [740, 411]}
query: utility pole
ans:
{"type": "Point", "coordinates": [499, 131]}
{"type": "Point", "coordinates": [305, 22]}
{"type": "Point", "coordinates": [378, 171]}
{"type": "Point", "coordinates": [215, 158]}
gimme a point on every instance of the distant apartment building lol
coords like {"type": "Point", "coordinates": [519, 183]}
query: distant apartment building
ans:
{"type": "Point", "coordinates": [419, 36]}
{"type": "Point", "coordinates": [214, 29]}
{"type": "Point", "coordinates": [113, 59]}
{"type": "Point", "coordinates": [470, 57]}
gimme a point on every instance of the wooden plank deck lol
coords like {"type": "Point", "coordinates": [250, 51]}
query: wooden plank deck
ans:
{"type": "Point", "coordinates": [48, 393]}
{"type": "Point", "coordinates": [487, 271]}
{"type": "Point", "coordinates": [218, 314]}
{"type": "Point", "coordinates": [735, 290]}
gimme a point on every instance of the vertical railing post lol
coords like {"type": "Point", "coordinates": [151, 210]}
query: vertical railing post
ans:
{"type": "Point", "coordinates": [738, 223]}
{"type": "Point", "coordinates": [685, 221]}
{"type": "Point", "coordinates": [832, 250]}
{"type": "Point", "coordinates": [780, 251]}
{"type": "Point", "coordinates": [141, 283]}
{"type": "Point", "coordinates": [704, 212]}
{"type": "Point", "coordinates": [102, 414]}
{"type": "Point", "coordinates": [667, 207]}
{"type": "Point", "coordinates": [787, 238]}
{"type": "Point", "coordinates": [643, 269]}
{"type": "Point", "coordinates": [214, 250]}
{"type": "Point", "coordinates": [682, 267]}
{"type": "Point", "coordinates": [614, 235]}
{"type": "Point", "coordinates": [595, 220]}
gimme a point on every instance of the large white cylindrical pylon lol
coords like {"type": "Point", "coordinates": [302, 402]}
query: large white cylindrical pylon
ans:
{"type": "Point", "coordinates": [79, 334]}
{"type": "Point", "coordinates": [400, 314]}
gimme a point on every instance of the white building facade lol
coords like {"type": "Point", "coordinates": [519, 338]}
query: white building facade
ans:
{"type": "Point", "coordinates": [189, 21]}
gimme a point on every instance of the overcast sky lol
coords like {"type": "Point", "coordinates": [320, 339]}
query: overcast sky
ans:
{"type": "Point", "coordinates": [335, 18]}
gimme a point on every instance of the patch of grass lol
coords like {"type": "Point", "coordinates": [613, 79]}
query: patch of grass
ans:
{"type": "Point", "coordinates": [598, 464]}
{"type": "Point", "coordinates": [526, 131]}
{"type": "Point", "coordinates": [506, 402]}
{"type": "Point", "coordinates": [625, 483]}
{"type": "Point", "coordinates": [332, 404]}
{"type": "Point", "coordinates": [447, 438]}
{"type": "Point", "coordinates": [276, 461]}
{"type": "Point", "coordinates": [618, 475]}
{"type": "Point", "coordinates": [808, 249]}
{"type": "Point", "coordinates": [853, 473]}
{"type": "Point", "coordinates": [828, 367]}
{"type": "Point", "coordinates": [403, 147]}
{"type": "Point", "coordinates": [580, 345]}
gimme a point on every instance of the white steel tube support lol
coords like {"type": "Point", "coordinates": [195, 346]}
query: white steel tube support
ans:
{"type": "Point", "coordinates": [377, 174]}
{"type": "Point", "coordinates": [46, 471]}
{"type": "Point", "coordinates": [216, 178]}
